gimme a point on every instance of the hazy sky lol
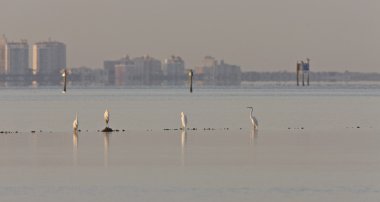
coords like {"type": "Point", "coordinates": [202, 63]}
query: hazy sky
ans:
{"type": "Point", "coordinates": [258, 35]}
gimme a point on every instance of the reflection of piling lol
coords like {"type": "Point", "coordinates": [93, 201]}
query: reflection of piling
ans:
{"type": "Point", "coordinates": [303, 79]}
{"type": "Point", "coordinates": [191, 80]}
{"type": "Point", "coordinates": [308, 78]}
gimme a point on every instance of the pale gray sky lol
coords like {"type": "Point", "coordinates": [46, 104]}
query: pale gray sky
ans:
{"type": "Point", "coordinates": [258, 35]}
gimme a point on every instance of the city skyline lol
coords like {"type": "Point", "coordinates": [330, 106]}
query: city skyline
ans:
{"type": "Point", "coordinates": [47, 58]}
{"type": "Point", "coordinates": [260, 35]}
{"type": "Point", "coordinates": [14, 56]}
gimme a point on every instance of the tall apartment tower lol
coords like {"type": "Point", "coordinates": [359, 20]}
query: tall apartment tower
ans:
{"type": "Point", "coordinates": [148, 69]}
{"type": "Point", "coordinates": [174, 68]}
{"type": "Point", "coordinates": [3, 42]}
{"type": "Point", "coordinates": [49, 57]}
{"type": "Point", "coordinates": [14, 57]}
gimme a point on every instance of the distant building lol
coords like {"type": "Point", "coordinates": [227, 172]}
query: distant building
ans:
{"type": "Point", "coordinates": [3, 43]}
{"type": "Point", "coordinates": [126, 73]}
{"type": "Point", "coordinates": [109, 68]}
{"type": "Point", "coordinates": [14, 57]}
{"type": "Point", "coordinates": [149, 69]}
{"type": "Point", "coordinates": [209, 62]}
{"type": "Point", "coordinates": [207, 69]}
{"type": "Point", "coordinates": [137, 71]}
{"type": "Point", "coordinates": [49, 57]}
{"type": "Point", "coordinates": [86, 76]}
{"type": "Point", "coordinates": [174, 69]}
{"type": "Point", "coordinates": [213, 72]}
{"type": "Point", "coordinates": [227, 74]}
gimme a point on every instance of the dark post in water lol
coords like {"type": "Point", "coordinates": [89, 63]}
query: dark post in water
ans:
{"type": "Point", "coordinates": [298, 73]}
{"type": "Point", "coordinates": [308, 70]}
{"type": "Point", "coordinates": [191, 80]}
{"type": "Point", "coordinates": [64, 75]}
{"type": "Point", "coordinates": [303, 68]}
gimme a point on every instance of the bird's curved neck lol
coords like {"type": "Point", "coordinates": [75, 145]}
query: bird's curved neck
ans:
{"type": "Point", "coordinates": [251, 111]}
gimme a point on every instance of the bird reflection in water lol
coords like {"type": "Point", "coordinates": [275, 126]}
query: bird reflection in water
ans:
{"type": "Point", "coordinates": [106, 139]}
{"type": "Point", "coordinates": [253, 136]}
{"type": "Point", "coordinates": [75, 147]}
{"type": "Point", "coordinates": [183, 146]}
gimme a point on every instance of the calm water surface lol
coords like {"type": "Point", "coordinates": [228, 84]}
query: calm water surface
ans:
{"type": "Point", "coordinates": [313, 144]}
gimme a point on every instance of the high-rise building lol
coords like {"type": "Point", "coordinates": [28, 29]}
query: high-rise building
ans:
{"type": "Point", "coordinates": [209, 61]}
{"type": "Point", "coordinates": [14, 57]}
{"type": "Point", "coordinates": [3, 42]}
{"type": "Point", "coordinates": [49, 57]}
{"type": "Point", "coordinates": [149, 69]}
{"type": "Point", "coordinates": [143, 70]}
{"type": "Point", "coordinates": [126, 73]}
{"type": "Point", "coordinates": [110, 69]}
{"type": "Point", "coordinates": [218, 73]}
{"type": "Point", "coordinates": [174, 68]}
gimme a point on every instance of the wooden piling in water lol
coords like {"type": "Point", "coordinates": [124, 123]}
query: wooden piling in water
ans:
{"type": "Point", "coordinates": [64, 80]}
{"type": "Point", "coordinates": [191, 80]}
{"type": "Point", "coordinates": [303, 68]}
{"type": "Point", "coordinates": [298, 72]}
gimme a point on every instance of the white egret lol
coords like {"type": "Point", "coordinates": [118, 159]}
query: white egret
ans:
{"type": "Point", "coordinates": [183, 121]}
{"type": "Point", "coordinates": [255, 123]}
{"type": "Point", "coordinates": [76, 123]}
{"type": "Point", "coordinates": [106, 117]}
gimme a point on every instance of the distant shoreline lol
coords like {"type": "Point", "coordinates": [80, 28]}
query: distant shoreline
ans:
{"type": "Point", "coordinates": [243, 85]}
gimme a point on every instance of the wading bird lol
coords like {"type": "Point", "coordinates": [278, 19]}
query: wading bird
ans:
{"type": "Point", "coordinates": [255, 123]}
{"type": "Point", "coordinates": [183, 121]}
{"type": "Point", "coordinates": [106, 117]}
{"type": "Point", "coordinates": [75, 123]}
